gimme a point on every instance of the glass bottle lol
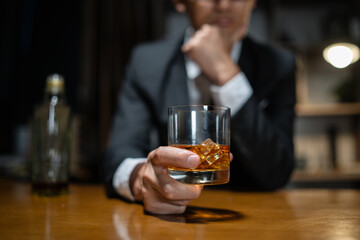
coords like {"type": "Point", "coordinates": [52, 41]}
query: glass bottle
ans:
{"type": "Point", "coordinates": [51, 141]}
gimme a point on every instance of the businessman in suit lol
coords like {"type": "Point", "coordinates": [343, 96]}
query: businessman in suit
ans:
{"type": "Point", "coordinates": [213, 61]}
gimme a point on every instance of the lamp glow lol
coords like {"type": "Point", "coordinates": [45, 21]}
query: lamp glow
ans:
{"type": "Point", "coordinates": [341, 55]}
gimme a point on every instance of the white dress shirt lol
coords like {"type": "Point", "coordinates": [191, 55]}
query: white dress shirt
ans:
{"type": "Point", "coordinates": [233, 94]}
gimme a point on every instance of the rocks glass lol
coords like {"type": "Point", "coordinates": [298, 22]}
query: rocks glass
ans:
{"type": "Point", "coordinates": [204, 130]}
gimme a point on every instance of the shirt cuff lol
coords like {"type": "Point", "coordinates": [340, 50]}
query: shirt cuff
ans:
{"type": "Point", "coordinates": [122, 177]}
{"type": "Point", "coordinates": [234, 94]}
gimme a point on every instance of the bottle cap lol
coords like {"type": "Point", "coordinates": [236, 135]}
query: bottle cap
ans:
{"type": "Point", "coordinates": [55, 83]}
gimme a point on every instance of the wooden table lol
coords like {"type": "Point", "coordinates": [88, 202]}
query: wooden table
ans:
{"type": "Point", "coordinates": [86, 213]}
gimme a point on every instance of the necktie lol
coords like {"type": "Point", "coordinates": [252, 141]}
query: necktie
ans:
{"type": "Point", "coordinates": [203, 85]}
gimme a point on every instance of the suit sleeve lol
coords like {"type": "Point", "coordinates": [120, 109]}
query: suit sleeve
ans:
{"type": "Point", "coordinates": [262, 133]}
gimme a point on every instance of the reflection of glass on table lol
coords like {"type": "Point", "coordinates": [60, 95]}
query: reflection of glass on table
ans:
{"type": "Point", "coordinates": [204, 130]}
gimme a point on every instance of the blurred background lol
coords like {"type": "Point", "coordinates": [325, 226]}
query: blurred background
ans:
{"type": "Point", "coordinates": [89, 43]}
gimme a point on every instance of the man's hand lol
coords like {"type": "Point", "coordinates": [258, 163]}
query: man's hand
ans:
{"type": "Point", "coordinates": [160, 193]}
{"type": "Point", "coordinates": [211, 51]}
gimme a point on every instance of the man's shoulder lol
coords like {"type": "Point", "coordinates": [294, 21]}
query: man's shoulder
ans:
{"type": "Point", "coordinates": [159, 50]}
{"type": "Point", "coordinates": [150, 61]}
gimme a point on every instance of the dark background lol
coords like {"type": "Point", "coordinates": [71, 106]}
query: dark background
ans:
{"type": "Point", "coordinates": [89, 42]}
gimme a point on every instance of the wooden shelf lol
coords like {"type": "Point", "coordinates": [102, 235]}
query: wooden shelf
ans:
{"type": "Point", "coordinates": [339, 178]}
{"type": "Point", "coordinates": [324, 176]}
{"type": "Point", "coordinates": [327, 109]}
{"type": "Point", "coordinates": [348, 171]}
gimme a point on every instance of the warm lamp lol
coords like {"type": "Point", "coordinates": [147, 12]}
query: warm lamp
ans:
{"type": "Point", "coordinates": [341, 55]}
{"type": "Point", "coordinates": [341, 29]}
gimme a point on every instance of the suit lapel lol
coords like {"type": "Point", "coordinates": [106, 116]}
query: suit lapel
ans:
{"type": "Point", "coordinates": [256, 65]}
{"type": "Point", "coordinates": [177, 89]}
{"type": "Point", "coordinates": [247, 61]}
{"type": "Point", "coordinates": [174, 88]}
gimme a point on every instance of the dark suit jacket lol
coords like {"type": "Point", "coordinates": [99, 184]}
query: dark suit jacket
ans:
{"type": "Point", "coordinates": [261, 132]}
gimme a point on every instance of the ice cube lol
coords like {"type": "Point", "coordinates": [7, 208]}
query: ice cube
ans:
{"type": "Point", "coordinates": [209, 151]}
{"type": "Point", "coordinates": [206, 146]}
{"type": "Point", "coordinates": [214, 157]}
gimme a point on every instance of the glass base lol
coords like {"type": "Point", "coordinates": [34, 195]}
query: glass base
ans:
{"type": "Point", "coordinates": [204, 177]}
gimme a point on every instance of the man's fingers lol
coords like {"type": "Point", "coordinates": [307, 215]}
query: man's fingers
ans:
{"type": "Point", "coordinates": [168, 187]}
{"type": "Point", "coordinates": [198, 38]}
{"type": "Point", "coordinates": [178, 191]}
{"type": "Point", "coordinates": [175, 157]}
{"type": "Point", "coordinates": [154, 202]}
{"type": "Point", "coordinates": [191, 44]}
{"type": "Point", "coordinates": [159, 207]}
{"type": "Point", "coordinates": [168, 198]}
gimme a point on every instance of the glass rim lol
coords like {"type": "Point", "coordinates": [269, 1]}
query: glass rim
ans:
{"type": "Point", "coordinates": [199, 107]}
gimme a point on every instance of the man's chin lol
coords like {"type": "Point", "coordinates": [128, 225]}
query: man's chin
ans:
{"type": "Point", "coordinates": [226, 31]}
{"type": "Point", "coordinates": [231, 34]}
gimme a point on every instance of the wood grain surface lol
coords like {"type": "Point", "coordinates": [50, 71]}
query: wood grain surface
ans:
{"type": "Point", "coordinates": [86, 213]}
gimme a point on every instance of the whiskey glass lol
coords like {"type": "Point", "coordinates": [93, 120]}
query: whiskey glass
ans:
{"type": "Point", "coordinates": [204, 130]}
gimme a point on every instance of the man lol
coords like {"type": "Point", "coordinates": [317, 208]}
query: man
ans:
{"type": "Point", "coordinates": [256, 81]}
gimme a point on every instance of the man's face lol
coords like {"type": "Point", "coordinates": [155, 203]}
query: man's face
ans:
{"type": "Point", "coordinates": [231, 16]}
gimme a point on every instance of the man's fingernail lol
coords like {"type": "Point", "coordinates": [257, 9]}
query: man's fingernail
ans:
{"type": "Point", "coordinates": [193, 160]}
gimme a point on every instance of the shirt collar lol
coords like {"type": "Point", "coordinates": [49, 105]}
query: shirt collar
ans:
{"type": "Point", "coordinates": [192, 69]}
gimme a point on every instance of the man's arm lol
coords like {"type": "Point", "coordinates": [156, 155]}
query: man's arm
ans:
{"type": "Point", "coordinates": [149, 182]}
{"type": "Point", "coordinates": [262, 133]}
